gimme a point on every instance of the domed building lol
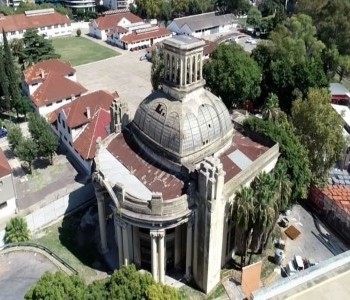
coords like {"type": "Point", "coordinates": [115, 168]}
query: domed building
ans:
{"type": "Point", "coordinates": [170, 175]}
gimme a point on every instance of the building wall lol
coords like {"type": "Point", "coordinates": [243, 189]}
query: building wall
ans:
{"type": "Point", "coordinates": [45, 110]}
{"type": "Point", "coordinates": [85, 5]}
{"type": "Point", "coordinates": [67, 137]}
{"type": "Point", "coordinates": [49, 31]}
{"type": "Point", "coordinates": [117, 4]}
{"type": "Point", "coordinates": [8, 196]}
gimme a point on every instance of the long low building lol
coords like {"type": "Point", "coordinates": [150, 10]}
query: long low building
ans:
{"type": "Point", "coordinates": [48, 22]}
{"type": "Point", "coordinates": [203, 24]}
{"type": "Point", "coordinates": [126, 30]}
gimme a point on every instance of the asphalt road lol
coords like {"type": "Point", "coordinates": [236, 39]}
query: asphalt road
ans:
{"type": "Point", "coordinates": [19, 271]}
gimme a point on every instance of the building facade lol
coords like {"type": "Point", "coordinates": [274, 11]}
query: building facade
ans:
{"type": "Point", "coordinates": [85, 5]}
{"type": "Point", "coordinates": [203, 24]}
{"type": "Point", "coordinates": [7, 188]}
{"type": "Point", "coordinates": [169, 177]}
{"type": "Point", "coordinates": [117, 4]}
{"type": "Point", "coordinates": [46, 21]}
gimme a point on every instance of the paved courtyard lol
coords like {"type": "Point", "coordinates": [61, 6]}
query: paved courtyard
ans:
{"type": "Point", "coordinates": [125, 74]}
{"type": "Point", "coordinates": [19, 271]}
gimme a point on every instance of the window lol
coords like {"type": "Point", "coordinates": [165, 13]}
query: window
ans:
{"type": "Point", "coordinates": [34, 84]}
{"type": "Point", "coordinates": [3, 205]}
{"type": "Point", "coordinates": [59, 101]}
{"type": "Point", "coordinates": [48, 104]}
{"type": "Point", "coordinates": [20, 32]}
{"type": "Point", "coordinates": [59, 118]}
{"type": "Point", "coordinates": [65, 138]}
{"type": "Point", "coordinates": [42, 28]}
{"type": "Point", "coordinates": [63, 124]}
{"type": "Point", "coordinates": [70, 144]}
{"type": "Point", "coordinates": [13, 32]}
{"type": "Point", "coordinates": [68, 99]}
{"type": "Point", "coordinates": [68, 129]}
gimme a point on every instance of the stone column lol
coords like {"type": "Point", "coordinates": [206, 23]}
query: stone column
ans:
{"type": "Point", "coordinates": [181, 71]}
{"type": "Point", "coordinates": [102, 221]}
{"type": "Point", "coordinates": [177, 258]}
{"type": "Point", "coordinates": [125, 246]}
{"type": "Point", "coordinates": [190, 71]}
{"type": "Point", "coordinates": [154, 254]}
{"type": "Point", "coordinates": [175, 68]}
{"type": "Point", "coordinates": [136, 244]}
{"type": "Point", "coordinates": [201, 68]}
{"type": "Point", "coordinates": [161, 245]}
{"type": "Point", "coordinates": [189, 251]}
{"type": "Point", "coordinates": [186, 70]}
{"type": "Point", "coordinates": [119, 244]}
{"type": "Point", "coordinates": [195, 67]}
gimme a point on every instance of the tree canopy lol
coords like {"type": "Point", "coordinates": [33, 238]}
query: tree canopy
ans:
{"type": "Point", "coordinates": [126, 283]}
{"type": "Point", "coordinates": [16, 231]}
{"type": "Point", "coordinates": [320, 130]}
{"type": "Point", "coordinates": [293, 153]}
{"type": "Point", "coordinates": [291, 60]}
{"type": "Point", "coordinates": [232, 75]}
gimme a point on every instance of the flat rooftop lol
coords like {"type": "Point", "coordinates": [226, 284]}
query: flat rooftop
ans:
{"type": "Point", "coordinates": [241, 154]}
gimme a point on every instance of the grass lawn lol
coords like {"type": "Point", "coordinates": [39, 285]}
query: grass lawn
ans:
{"type": "Point", "coordinates": [62, 238]}
{"type": "Point", "coordinates": [79, 50]}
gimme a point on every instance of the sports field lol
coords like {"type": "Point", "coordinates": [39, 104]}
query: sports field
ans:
{"type": "Point", "coordinates": [79, 50]}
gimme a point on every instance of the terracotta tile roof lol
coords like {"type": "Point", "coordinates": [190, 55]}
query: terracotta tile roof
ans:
{"type": "Point", "coordinates": [21, 21]}
{"type": "Point", "coordinates": [5, 168]}
{"type": "Point", "coordinates": [76, 111]}
{"type": "Point", "coordinates": [54, 88]}
{"type": "Point", "coordinates": [248, 147]}
{"type": "Point", "coordinates": [340, 195]}
{"type": "Point", "coordinates": [111, 21]}
{"type": "Point", "coordinates": [152, 176]}
{"type": "Point", "coordinates": [136, 37]}
{"type": "Point", "coordinates": [85, 144]}
{"type": "Point", "coordinates": [209, 47]}
{"type": "Point", "coordinates": [34, 73]}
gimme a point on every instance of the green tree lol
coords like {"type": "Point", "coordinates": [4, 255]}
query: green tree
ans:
{"type": "Point", "coordinates": [291, 60]}
{"type": "Point", "coordinates": [254, 17]}
{"type": "Point", "coordinates": [266, 209]}
{"type": "Point", "coordinates": [293, 153]}
{"type": "Point", "coordinates": [11, 72]}
{"type": "Point", "coordinates": [14, 136]}
{"type": "Point", "coordinates": [320, 130]}
{"type": "Point", "coordinates": [166, 11]}
{"type": "Point", "coordinates": [233, 75]}
{"type": "Point", "coordinates": [158, 291]}
{"type": "Point", "coordinates": [17, 47]}
{"type": "Point", "coordinates": [47, 144]}
{"type": "Point", "coordinates": [237, 7]}
{"type": "Point", "coordinates": [284, 186]}
{"type": "Point", "coordinates": [5, 100]}
{"type": "Point", "coordinates": [27, 151]}
{"type": "Point", "coordinates": [22, 107]}
{"type": "Point", "coordinates": [271, 109]}
{"type": "Point", "coordinates": [37, 48]}
{"type": "Point", "coordinates": [344, 67]}
{"type": "Point", "coordinates": [57, 286]}
{"type": "Point", "coordinates": [37, 125]}
{"type": "Point", "coordinates": [16, 231]}
{"type": "Point", "coordinates": [243, 217]}
{"type": "Point", "coordinates": [157, 69]}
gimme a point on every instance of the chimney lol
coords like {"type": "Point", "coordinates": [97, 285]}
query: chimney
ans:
{"type": "Point", "coordinates": [88, 112]}
{"type": "Point", "coordinates": [42, 73]}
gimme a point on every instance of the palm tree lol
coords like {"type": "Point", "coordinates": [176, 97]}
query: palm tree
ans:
{"type": "Point", "coordinates": [243, 217]}
{"type": "Point", "coordinates": [265, 209]}
{"type": "Point", "coordinates": [284, 186]}
{"type": "Point", "coordinates": [270, 111]}
{"type": "Point", "coordinates": [16, 231]}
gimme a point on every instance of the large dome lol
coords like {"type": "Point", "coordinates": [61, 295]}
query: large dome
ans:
{"type": "Point", "coordinates": [183, 131]}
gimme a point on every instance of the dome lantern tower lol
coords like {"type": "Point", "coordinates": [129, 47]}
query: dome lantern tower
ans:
{"type": "Point", "coordinates": [183, 60]}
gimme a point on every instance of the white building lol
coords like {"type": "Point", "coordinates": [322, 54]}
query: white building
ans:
{"type": "Point", "coordinates": [50, 84]}
{"type": "Point", "coordinates": [46, 21]}
{"type": "Point", "coordinates": [80, 123]}
{"type": "Point", "coordinates": [203, 24]}
{"type": "Point", "coordinates": [117, 4]}
{"type": "Point", "coordinates": [85, 5]}
{"type": "Point", "coordinates": [7, 188]}
{"type": "Point", "coordinates": [126, 30]}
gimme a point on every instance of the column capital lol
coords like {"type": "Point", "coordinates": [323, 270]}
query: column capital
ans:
{"type": "Point", "coordinates": [120, 222]}
{"type": "Point", "coordinates": [157, 233]}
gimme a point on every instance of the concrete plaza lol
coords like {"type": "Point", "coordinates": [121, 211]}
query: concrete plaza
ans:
{"type": "Point", "coordinates": [126, 74]}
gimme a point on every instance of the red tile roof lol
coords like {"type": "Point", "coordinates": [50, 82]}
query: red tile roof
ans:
{"type": "Point", "coordinates": [152, 176]}
{"type": "Point", "coordinates": [340, 195]}
{"type": "Point", "coordinates": [111, 21]}
{"type": "Point", "coordinates": [247, 146]}
{"type": "Point", "coordinates": [55, 88]}
{"type": "Point", "coordinates": [5, 168]}
{"type": "Point", "coordinates": [85, 144]}
{"type": "Point", "coordinates": [21, 21]}
{"type": "Point", "coordinates": [76, 111]}
{"type": "Point", "coordinates": [136, 37]}
{"type": "Point", "coordinates": [98, 124]}
{"type": "Point", "coordinates": [35, 73]}
{"type": "Point", "coordinates": [209, 47]}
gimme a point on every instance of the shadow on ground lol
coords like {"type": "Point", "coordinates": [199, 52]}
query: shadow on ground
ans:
{"type": "Point", "coordinates": [79, 234]}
